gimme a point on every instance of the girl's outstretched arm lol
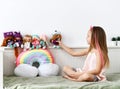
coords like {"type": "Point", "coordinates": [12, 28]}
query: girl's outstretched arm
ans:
{"type": "Point", "coordinates": [72, 52]}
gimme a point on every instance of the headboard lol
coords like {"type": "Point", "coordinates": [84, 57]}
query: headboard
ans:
{"type": "Point", "coordinates": [61, 58]}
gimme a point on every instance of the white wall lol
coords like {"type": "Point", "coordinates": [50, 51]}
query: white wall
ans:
{"type": "Point", "coordinates": [72, 17]}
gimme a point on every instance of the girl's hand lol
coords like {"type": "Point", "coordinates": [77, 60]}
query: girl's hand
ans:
{"type": "Point", "coordinates": [60, 43]}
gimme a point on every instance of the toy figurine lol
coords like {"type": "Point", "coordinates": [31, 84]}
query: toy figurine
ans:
{"type": "Point", "coordinates": [35, 42]}
{"type": "Point", "coordinates": [17, 43]}
{"type": "Point", "coordinates": [17, 39]}
{"type": "Point", "coordinates": [8, 39]}
{"type": "Point", "coordinates": [56, 37]}
{"type": "Point", "coordinates": [27, 39]}
{"type": "Point", "coordinates": [43, 41]}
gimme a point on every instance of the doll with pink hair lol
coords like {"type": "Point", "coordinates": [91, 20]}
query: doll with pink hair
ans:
{"type": "Point", "coordinates": [35, 42]}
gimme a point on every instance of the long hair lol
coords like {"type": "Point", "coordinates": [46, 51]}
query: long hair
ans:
{"type": "Point", "coordinates": [5, 41]}
{"type": "Point", "coordinates": [98, 41]}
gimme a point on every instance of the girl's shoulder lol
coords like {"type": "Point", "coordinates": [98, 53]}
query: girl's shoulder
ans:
{"type": "Point", "coordinates": [94, 51]}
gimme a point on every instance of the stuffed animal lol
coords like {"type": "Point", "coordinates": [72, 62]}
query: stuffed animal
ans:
{"type": "Point", "coordinates": [43, 41]}
{"type": "Point", "coordinates": [35, 42]}
{"type": "Point", "coordinates": [45, 70]}
{"type": "Point", "coordinates": [8, 39]}
{"type": "Point", "coordinates": [27, 39]}
{"type": "Point", "coordinates": [56, 37]}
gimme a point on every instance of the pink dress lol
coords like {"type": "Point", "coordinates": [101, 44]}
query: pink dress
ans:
{"type": "Point", "coordinates": [90, 64]}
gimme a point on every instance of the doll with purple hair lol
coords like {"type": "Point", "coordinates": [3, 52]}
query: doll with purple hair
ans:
{"type": "Point", "coordinates": [8, 39]}
{"type": "Point", "coordinates": [17, 39]}
{"type": "Point", "coordinates": [18, 43]}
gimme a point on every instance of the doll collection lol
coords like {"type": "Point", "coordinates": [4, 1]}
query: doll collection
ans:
{"type": "Point", "coordinates": [34, 59]}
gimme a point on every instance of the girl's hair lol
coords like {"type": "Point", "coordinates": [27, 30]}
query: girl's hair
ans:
{"type": "Point", "coordinates": [98, 41]}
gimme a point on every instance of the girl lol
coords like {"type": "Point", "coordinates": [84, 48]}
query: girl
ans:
{"type": "Point", "coordinates": [97, 58]}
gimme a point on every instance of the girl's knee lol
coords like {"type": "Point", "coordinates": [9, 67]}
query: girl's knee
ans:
{"type": "Point", "coordinates": [86, 76]}
{"type": "Point", "coordinates": [66, 68]}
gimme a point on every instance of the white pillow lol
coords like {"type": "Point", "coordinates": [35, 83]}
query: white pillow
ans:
{"type": "Point", "coordinates": [26, 70]}
{"type": "Point", "coordinates": [48, 69]}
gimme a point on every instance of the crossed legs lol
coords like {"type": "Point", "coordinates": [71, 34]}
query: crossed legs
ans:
{"type": "Point", "coordinates": [76, 76]}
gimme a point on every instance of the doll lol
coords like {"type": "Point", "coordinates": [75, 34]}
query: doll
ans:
{"type": "Point", "coordinates": [17, 39]}
{"type": "Point", "coordinates": [17, 43]}
{"type": "Point", "coordinates": [35, 42]}
{"type": "Point", "coordinates": [27, 39]}
{"type": "Point", "coordinates": [8, 39]}
{"type": "Point", "coordinates": [43, 41]}
{"type": "Point", "coordinates": [56, 37]}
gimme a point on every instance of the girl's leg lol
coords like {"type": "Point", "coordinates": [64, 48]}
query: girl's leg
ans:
{"type": "Point", "coordinates": [68, 77]}
{"type": "Point", "coordinates": [70, 72]}
{"type": "Point", "coordinates": [86, 77]}
{"type": "Point", "coordinates": [83, 77]}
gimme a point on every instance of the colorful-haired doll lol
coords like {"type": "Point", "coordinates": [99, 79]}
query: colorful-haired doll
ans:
{"type": "Point", "coordinates": [43, 41]}
{"type": "Point", "coordinates": [17, 39]}
{"type": "Point", "coordinates": [27, 39]}
{"type": "Point", "coordinates": [35, 42]}
{"type": "Point", "coordinates": [18, 42]}
{"type": "Point", "coordinates": [56, 37]}
{"type": "Point", "coordinates": [8, 39]}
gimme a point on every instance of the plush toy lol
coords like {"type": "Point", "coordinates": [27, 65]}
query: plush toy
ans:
{"type": "Point", "coordinates": [45, 70]}
{"type": "Point", "coordinates": [36, 62]}
{"type": "Point", "coordinates": [35, 42]}
{"type": "Point", "coordinates": [17, 39]}
{"type": "Point", "coordinates": [27, 39]}
{"type": "Point", "coordinates": [17, 43]}
{"type": "Point", "coordinates": [56, 37]}
{"type": "Point", "coordinates": [31, 57]}
{"type": "Point", "coordinates": [43, 41]}
{"type": "Point", "coordinates": [48, 69]}
{"type": "Point", "coordinates": [25, 70]}
{"type": "Point", "coordinates": [8, 39]}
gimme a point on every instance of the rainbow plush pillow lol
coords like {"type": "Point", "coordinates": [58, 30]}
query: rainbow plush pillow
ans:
{"type": "Point", "coordinates": [41, 56]}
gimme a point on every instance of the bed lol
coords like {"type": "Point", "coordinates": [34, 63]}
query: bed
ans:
{"type": "Point", "coordinates": [58, 82]}
{"type": "Point", "coordinates": [10, 81]}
